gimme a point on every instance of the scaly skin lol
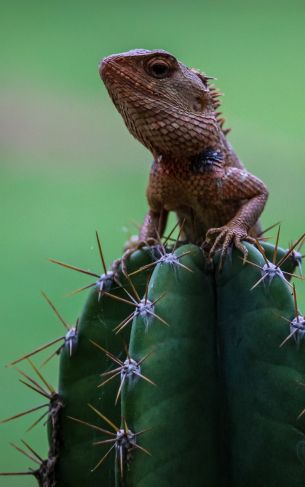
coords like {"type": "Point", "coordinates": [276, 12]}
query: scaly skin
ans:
{"type": "Point", "coordinates": [172, 110]}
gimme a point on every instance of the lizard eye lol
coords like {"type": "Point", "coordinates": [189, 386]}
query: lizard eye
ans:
{"type": "Point", "coordinates": [158, 68]}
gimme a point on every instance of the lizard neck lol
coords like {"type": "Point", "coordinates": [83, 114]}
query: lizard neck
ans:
{"type": "Point", "coordinates": [181, 136]}
{"type": "Point", "coordinates": [213, 149]}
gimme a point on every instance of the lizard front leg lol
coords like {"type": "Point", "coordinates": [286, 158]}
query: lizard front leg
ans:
{"type": "Point", "coordinates": [154, 225]}
{"type": "Point", "coordinates": [238, 185]}
{"type": "Point", "coordinates": [152, 229]}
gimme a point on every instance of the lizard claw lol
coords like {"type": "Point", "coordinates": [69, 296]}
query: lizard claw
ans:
{"type": "Point", "coordinates": [224, 237]}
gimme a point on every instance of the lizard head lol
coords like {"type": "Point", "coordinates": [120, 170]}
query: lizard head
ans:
{"type": "Point", "coordinates": [167, 106]}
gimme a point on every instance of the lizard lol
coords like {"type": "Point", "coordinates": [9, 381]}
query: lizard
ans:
{"type": "Point", "coordinates": [173, 111]}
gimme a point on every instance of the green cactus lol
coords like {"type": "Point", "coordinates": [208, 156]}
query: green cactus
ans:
{"type": "Point", "coordinates": [183, 373]}
{"type": "Point", "coordinates": [80, 375]}
{"type": "Point", "coordinates": [182, 410]}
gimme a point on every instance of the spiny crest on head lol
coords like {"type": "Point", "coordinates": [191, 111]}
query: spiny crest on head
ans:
{"type": "Point", "coordinates": [215, 97]}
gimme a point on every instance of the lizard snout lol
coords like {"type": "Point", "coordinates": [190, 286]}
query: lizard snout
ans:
{"type": "Point", "coordinates": [104, 64]}
{"type": "Point", "coordinates": [107, 65]}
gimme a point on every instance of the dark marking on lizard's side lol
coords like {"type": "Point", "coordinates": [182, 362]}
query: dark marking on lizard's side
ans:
{"type": "Point", "coordinates": [207, 160]}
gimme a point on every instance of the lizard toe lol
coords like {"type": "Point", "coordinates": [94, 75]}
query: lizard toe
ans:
{"type": "Point", "coordinates": [218, 239]}
{"type": "Point", "coordinates": [241, 248]}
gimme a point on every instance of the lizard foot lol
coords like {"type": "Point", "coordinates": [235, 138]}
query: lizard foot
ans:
{"type": "Point", "coordinates": [131, 247]}
{"type": "Point", "coordinates": [224, 237]}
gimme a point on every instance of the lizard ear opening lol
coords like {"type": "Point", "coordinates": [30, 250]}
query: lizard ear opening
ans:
{"type": "Point", "coordinates": [199, 103]}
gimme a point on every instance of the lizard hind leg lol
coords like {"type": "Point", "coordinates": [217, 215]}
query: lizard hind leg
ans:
{"type": "Point", "coordinates": [150, 235]}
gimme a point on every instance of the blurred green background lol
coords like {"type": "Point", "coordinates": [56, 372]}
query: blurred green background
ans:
{"type": "Point", "coordinates": [69, 166]}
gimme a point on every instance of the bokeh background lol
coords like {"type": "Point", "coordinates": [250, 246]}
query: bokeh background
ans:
{"type": "Point", "coordinates": [69, 166]}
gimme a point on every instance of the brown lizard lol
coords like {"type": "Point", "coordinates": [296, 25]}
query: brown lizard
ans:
{"type": "Point", "coordinates": [172, 110]}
